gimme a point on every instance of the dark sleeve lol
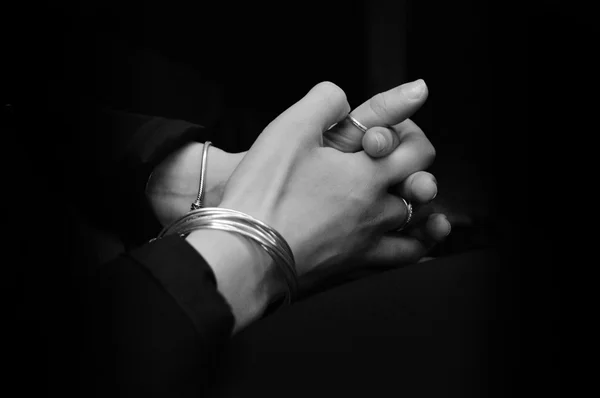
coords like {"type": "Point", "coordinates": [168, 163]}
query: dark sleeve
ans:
{"type": "Point", "coordinates": [157, 323]}
{"type": "Point", "coordinates": [116, 152]}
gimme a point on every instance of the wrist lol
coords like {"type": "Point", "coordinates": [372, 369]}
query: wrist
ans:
{"type": "Point", "coordinates": [246, 275]}
{"type": "Point", "coordinates": [173, 185]}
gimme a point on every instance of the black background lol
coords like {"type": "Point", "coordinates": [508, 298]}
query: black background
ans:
{"type": "Point", "coordinates": [476, 58]}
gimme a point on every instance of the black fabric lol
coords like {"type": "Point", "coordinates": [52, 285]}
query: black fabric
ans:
{"type": "Point", "coordinates": [442, 328]}
{"type": "Point", "coordinates": [175, 264]}
{"type": "Point", "coordinates": [445, 328]}
{"type": "Point", "coordinates": [149, 336]}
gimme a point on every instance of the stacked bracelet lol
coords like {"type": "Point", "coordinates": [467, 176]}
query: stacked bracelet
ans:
{"type": "Point", "coordinates": [270, 240]}
{"type": "Point", "coordinates": [234, 221]}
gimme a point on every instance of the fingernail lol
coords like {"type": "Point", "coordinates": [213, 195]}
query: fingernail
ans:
{"type": "Point", "coordinates": [380, 142]}
{"type": "Point", "coordinates": [449, 226]}
{"type": "Point", "coordinates": [414, 90]}
{"type": "Point", "coordinates": [434, 195]}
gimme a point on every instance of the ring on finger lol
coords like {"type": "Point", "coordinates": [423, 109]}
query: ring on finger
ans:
{"type": "Point", "coordinates": [357, 124]}
{"type": "Point", "coordinates": [409, 211]}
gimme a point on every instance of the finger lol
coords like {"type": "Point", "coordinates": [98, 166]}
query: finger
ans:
{"type": "Point", "coordinates": [433, 230]}
{"type": "Point", "coordinates": [380, 141]}
{"type": "Point", "coordinates": [384, 109]}
{"type": "Point", "coordinates": [396, 250]}
{"type": "Point", "coordinates": [393, 106]}
{"type": "Point", "coordinates": [394, 214]}
{"type": "Point", "coordinates": [401, 250]}
{"type": "Point", "coordinates": [415, 153]}
{"type": "Point", "coordinates": [418, 188]}
{"type": "Point", "coordinates": [306, 120]}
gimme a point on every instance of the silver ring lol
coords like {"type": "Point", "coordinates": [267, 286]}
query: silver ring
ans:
{"type": "Point", "coordinates": [357, 124]}
{"type": "Point", "coordinates": [410, 213]}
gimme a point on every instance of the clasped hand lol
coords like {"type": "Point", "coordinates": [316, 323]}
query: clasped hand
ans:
{"type": "Point", "coordinates": [334, 194]}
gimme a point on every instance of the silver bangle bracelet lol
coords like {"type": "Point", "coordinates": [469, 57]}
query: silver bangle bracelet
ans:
{"type": "Point", "coordinates": [234, 221]}
{"type": "Point", "coordinates": [200, 217]}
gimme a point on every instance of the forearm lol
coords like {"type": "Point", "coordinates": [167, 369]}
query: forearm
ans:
{"type": "Point", "coordinates": [246, 275]}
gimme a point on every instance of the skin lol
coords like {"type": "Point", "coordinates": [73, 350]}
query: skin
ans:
{"type": "Point", "coordinates": [393, 108]}
{"type": "Point", "coordinates": [174, 183]}
{"type": "Point", "coordinates": [330, 206]}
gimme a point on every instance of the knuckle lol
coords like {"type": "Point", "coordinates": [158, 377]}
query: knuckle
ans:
{"type": "Point", "coordinates": [332, 91]}
{"type": "Point", "coordinates": [425, 147]}
{"type": "Point", "coordinates": [430, 153]}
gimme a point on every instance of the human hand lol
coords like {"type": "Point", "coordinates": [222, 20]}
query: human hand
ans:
{"type": "Point", "coordinates": [174, 183]}
{"type": "Point", "coordinates": [329, 206]}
